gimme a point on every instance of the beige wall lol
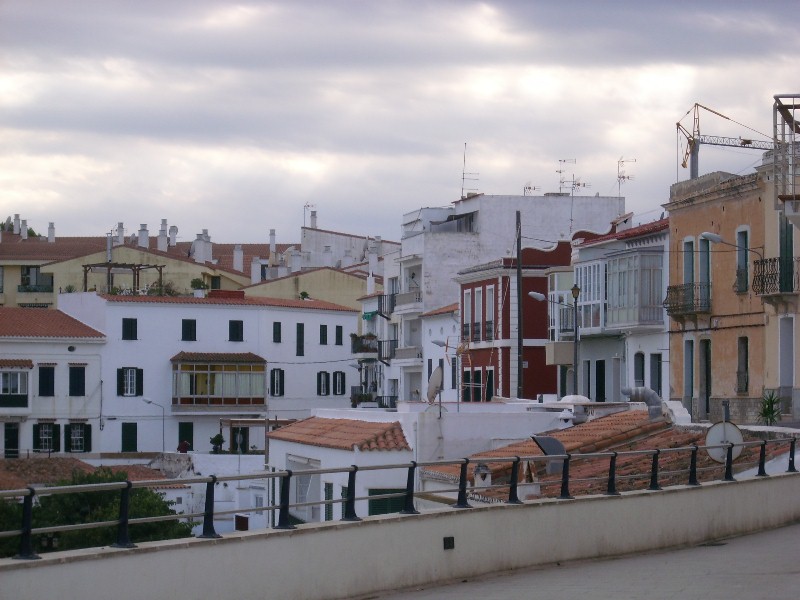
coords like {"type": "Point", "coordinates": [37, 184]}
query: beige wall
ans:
{"type": "Point", "coordinates": [321, 284]}
{"type": "Point", "coordinates": [392, 552]}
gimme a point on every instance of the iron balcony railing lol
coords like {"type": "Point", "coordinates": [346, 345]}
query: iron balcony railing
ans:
{"type": "Point", "coordinates": [465, 332]}
{"type": "Point", "coordinates": [742, 381]}
{"type": "Point", "coordinates": [476, 332]}
{"type": "Point", "coordinates": [386, 304]}
{"type": "Point", "coordinates": [634, 472]}
{"type": "Point", "coordinates": [387, 349]}
{"type": "Point", "coordinates": [776, 276]}
{"type": "Point", "coordinates": [741, 285]}
{"type": "Point", "coordinates": [40, 289]}
{"type": "Point", "coordinates": [386, 401]}
{"type": "Point", "coordinates": [488, 331]}
{"type": "Point", "coordinates": [688, 299]}
{"type": "Point", "coordinates": [362, 344]}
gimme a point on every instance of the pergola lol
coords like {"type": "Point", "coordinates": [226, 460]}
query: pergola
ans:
{"type": "Point", "coordinates": [109, 267]}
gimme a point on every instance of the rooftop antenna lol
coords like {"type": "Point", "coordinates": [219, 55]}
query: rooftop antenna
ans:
{"type": "Point", "coordinates": [621, 177]}
{"type": "Point", "coordinates": [529, 189]}
{"type": "Point", "coordinates": [306, 207]}
{"type": "Point", "coordinates": [465, 176]}
{"type": "Point", "coordinates": [574, 183]}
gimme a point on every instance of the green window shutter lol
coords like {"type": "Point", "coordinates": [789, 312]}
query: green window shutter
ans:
{"type": "Point", "coordinates": [139, 382]}
{"type": "Point", "coordinates": [120, 382]}
{"type": "Point", "coordinates": [339, 335]}
{"type": "Point", "coordinates": [87, 438]}
{"type": "Point", "coordinates": [67, 438]}
{"type": "Point", "coordinates": [300, 339]}
{"type": "Point", "coordinates": [276, 332]}
{"type": "Point", "coordinates": [319, 383]}
{"type": "Point", "coordinates": [328, 498]}
{"type": "Point", "coordinates": [56, 438]}
{"type": "Point", "coordinates": [37, 442]}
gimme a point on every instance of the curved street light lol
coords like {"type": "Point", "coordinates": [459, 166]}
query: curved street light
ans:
{"type": "Point", "coordinates": [576, 291]}
{"type": "Point", "coordinates": [148, 401]}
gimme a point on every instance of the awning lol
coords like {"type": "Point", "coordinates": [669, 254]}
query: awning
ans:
{"type": "Point", "coordinates": [368, 316]}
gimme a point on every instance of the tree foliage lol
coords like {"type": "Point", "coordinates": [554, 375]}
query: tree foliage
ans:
{"type": "Point", "coordinates": [91, 507]}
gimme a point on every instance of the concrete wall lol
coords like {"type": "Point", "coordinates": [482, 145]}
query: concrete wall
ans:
{"type": "Point", "coordinates": [392, 552]}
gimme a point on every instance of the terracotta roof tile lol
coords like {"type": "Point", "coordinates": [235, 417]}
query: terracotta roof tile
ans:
{"type": "Point", "coordinates": [444, 310]}
{"type": "Point", "coordinates": [246, 301]}
{"type": "Point", "coordinates": [18, 473]}
{"type": "Point", "coordinates": [37, 322]}
{"type": "Point", "coordinates": [19, 363]}
{"type": "Point", "coordinates": [344, 434]}
{"type": "Point", "coordinates": [637, 231]}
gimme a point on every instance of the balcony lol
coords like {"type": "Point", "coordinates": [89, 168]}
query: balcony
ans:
{"type": "Point", "coordinates": [488, 331]}
{"type": "Point", "coordinates": [742, 382]}
{"type": "Point", "coordinates": [389, 402]}
{"type": "Point", "coordinates": [776, 276]}
{"type": "Point", "coordinates": [408, 353]}
{"type": "Point", "coordinates": [740, 286]}
{"type": "Point", "coordinates": [476, 332]}
{"type": "Point", "coordinates": [363, 344]}
{"type": "Point", "coordinates": [465, 332]}
{"type": "Point", "coordinates": [358, 395]}
{"type": "Point", "coordinates": [386, 350]}
{"type": "Point", "coordinates": [408, 302]}
{"type": "Point", "coordinates": [386, 304]}
{"type": "Point", "coordinates": [45, 288]}
{"type": "Point", "coordinates": [688, 299]}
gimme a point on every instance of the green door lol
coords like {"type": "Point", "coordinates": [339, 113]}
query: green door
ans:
{"type": "Point", "coordinates": [186, 433]}
{"type": "Point", "coordinates": [129, 437]}
{"type": "Point", "coordinates": [386, 506]}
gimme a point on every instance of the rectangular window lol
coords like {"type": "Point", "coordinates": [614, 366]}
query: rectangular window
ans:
{"type": "Point", "coordinates": [339, 335]}
{"type": "Point", "coordinates": [742, 248]}
{"type": "Point", "coordinates": [477, 388]}
{"type": "Point", "coordinates": [216, 282]}
{"type": "Point", "coordinates": [467, 385]}
{"type": "Point", "coordinates": [276, 382]}
{"type": "Point", "coordinates": [129, 327]}
{"type": "Point", "coordinates": [454, 373]}
{"type": "Point", "coordinates": [189, 330]}
{"type": "Point", "coordinates": [490, 335]}
{"type": "Point", "coordinates": [129, 442]}
{"type": "Point", "coordinates": [466, 311]}
{"type": "Point", "coordinates": [276, 332]}
{"type": "Point", "coordinates": [742, 368]}
{"type": "Point", "coordinates": [33, 280]}
{"type": "Point", "coordinates": [235, 331]}
{"type": "Point", "coordinates": [13, 389]}
{"type": "Point", "coordinates": [47, 381]}
{"type": "Point", "coordinates": [338, 383]}
{"type": "Point", "coordinates": [300, 339]}
{"type": "Point", "coordinates": [323, 383]}
{"type": "Point", "coordinates": [477, 325]}
{"type": "Point", "coordinates": [655, 373]}
{"type": "Point", "coordinates": [130, 381]}
{"type": "Point", "coordinates": [489, 384]}
{"type": "Point", "coordinates": [46, 437]}
{"type": "Point", "coordinates": [323, 335]}
{"type": "Point", "coordinates": [77, 380]}
{"type": "Point", "coordinates": [186, 434]}
{"type": "Point", "coordinates": [78, 437]}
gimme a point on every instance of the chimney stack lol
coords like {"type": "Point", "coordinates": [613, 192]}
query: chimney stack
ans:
{"type": "Point", "coordinates": [313, 220]}
{"type": "Point", "coordinates": [23, 229]}
{"type": "Point", "coordinates": [327, 257]}
{"type": "Point", "coordinates": [16, 223]}
{"type": "Point", "coordinates": [296, 258]}
{"type": "Point", "coordinates": [208, 251]}
{"type": "Point", "coordinates": [373, 260]}
{"type": "Point", "coordinates": [161, 241]}
{"type": "Point", "coordinates": [370, 285]}
{"type": "Point", "coordinates": [144, 236]}
{"type": "Point", "coordinates": [255, 271]}
{"type": "Point", "coordinates": [173, 235]}
{"type": "Point", "coordinates": [238, 258]}
{"type": "Point", "coordinates": [51, 232]}
{"type": "Point", "coordinates": [120, 234]}
{"type": "Point", "coordinates": [198, 249]}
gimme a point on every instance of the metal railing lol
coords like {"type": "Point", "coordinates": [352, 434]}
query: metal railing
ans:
{"type": "Point", "coordinates": [386, 349]}
{"type": "Point", "coordinates": [776, 276]}
{"type": "Point", "coordinates": [488, 331]}
{"type": "Point", "coordinates": [44, 288]}
{"type": "Point", "coordinates": [688, 299]}
{"type": "Point", "coordinates": [741, 284]}
{"type": "Point", "coordinates": [284, 521]}
{"type": "Point", "coordinates": [742, 381]}
{"type": "Point", "coordinates": [360, 344]}
{"type": "Point", "coordinates": [386, 304]}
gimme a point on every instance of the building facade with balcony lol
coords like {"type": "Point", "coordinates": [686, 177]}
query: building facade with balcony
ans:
{"type": "Point", "coordinates": [717, 317]}
{"type": "Point", "coordinates": [622, 323]}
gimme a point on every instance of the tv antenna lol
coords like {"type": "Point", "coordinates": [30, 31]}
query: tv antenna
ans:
{"type": "Point", "coordinates": [621, 176]}
{"type": "Point", "coordinates": [306, 207]}
{"type": "Point", "coordinates": [465, 176]}
{"type": "Point", "coordinates": [573, 182]}
{"type": "Point", "coordinates": [529, 189]}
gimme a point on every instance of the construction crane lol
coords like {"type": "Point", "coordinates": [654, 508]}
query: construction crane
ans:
{"type": "Point", "coordinates": [693, 140]}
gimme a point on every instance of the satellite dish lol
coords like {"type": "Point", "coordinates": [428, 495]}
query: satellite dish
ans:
{"type": "Point", "coordinates": [434, 384]}
{"type": "Point", "coordinates": [550, 445]}
{"type": "Point", "coordinates": [721, 433]}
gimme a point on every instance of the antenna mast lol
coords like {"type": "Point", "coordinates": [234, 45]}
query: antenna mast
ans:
{"type": "Point", "coordinates": [621, 177]}
{"type": "Point", "coordinates": [467, 176]}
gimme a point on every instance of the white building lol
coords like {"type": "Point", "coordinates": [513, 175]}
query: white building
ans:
{"type": "Point", "coordinates": [174, 367]}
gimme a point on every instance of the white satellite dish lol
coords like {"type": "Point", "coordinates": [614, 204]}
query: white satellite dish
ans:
{"type": "Point", "coordinates": [434, 385]}
{"type": "Point", "coordinates": [720, 434]}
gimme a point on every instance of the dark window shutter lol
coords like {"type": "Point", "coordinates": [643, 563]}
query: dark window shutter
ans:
{"type": "Point", "coordinates": [47, 381]}
{"type": "Point", "coordinates": [87, 438]}
{"type": "Point", "coordinates": [68, 438]}
{"type": "Point", "coordinates": [56, 438]}
{"type": "Point", "coordinates": [323, 335]}
{"type": "Point", "coordinates": [77, 381]}
{"type": "Point", "coordinates": [139, 382]}
{"type": "Point", "coordinates": [339, 335]}
{"type": "Point", "coordinates": [120, 382]}
{"type": "Point", "coordinates": [37, 442]}
{"type": "Point", "coordinates": [276, 332]}
{"type": "Point", "coordinates": [319, 383]}
{"type": "Point", "coordinates": [327, 378]}
{"type": "Point", "coordinates": [280, 379]}
{"type": "Point", "coordinates": [300, 339]}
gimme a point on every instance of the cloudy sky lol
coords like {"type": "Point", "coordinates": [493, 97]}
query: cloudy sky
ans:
{"type": "Point", "coordinates": [233, 116]}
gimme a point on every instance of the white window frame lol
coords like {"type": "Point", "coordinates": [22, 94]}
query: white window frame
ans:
{"type": "Point", "coordinates": [77, 437]}
{"type": "Point", "coordinates": [13, 382]}
{"type": "Point", "coordinates": [128, 381]}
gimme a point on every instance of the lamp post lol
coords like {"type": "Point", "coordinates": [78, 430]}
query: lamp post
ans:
{"type": "Point", "coordinates": [715, 238]}
{"type": "Point", "coordinates": [443, 345]}
{"type": "Point", "coordinates": [576, 291]}
{"type": "Point", "coordinates": [148, 401]}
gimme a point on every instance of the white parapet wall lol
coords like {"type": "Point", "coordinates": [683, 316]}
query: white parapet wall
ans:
{"type": "Point", "coordinates": [343, 560]}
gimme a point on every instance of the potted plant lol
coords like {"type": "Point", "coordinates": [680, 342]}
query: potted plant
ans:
{"type": "Point", "coordinates": [199, 286]}
{"type": "Point", "coordinates": [217, 442]}
{"type": "Point", "coordinates": [769, 411]}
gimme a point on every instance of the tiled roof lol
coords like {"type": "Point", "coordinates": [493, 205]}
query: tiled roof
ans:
{"type": "Point", "coordinates": [37, 322]}
{"type": "Point", "coordinates": [344, 434]}
{"type": "Point", "coordinates": [350, 235]}
{"type": "Point", "coordinates": [247, 301]}
{"type": "Point", "coordinates": [143, 473]}
{"type": "Point", "coordinates": [641, 230]}
{"type": "Point", "coordinates": [300, 274]}
{"type": "Point", "coordinates": [16, 363]}
{"type": "Point", "coordinates": [19, 473]}
{"type": "Point", "coordinates": [444, 310]}
{"type": "Point", "coordinates": [218, 357]}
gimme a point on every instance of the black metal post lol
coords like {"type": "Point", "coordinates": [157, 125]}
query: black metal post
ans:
{"type": "Point", "coordinates": [512, 484]}
{"type": "Point", "coordinates": [462, 487]}
{"type": "Point", "coordinates": [208, 511]}
{"type": "Point", "coordinates": [123, 537]}
{"type": "Point", "coordinates": [565, 479]}
{"type": "Point", "coordinates": [693, 467]}
{"type": "Point", "coordinates": [26, 544]}
{"type": "Point", "coordinates": [762, 459]}
{"type": "Point", "coordinates": [612, 476]}
{"type": "Point", "coordinates": [791, 468]}
{"type": "Point", "coordinates": [654, 472]}
{"type": "Point", "coordinates": [408, 505]}
{"type": "Point", "coordinates": [729, 463]}
{"type": "Point", "coordinates": [283, 511]}
{"type": "Point", "coordinates": [350, 501]}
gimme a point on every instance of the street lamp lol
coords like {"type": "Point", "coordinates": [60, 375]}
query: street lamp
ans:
{"type": "Point", "coordinates": [443, 344]}
{"type": "Point", "coordinates": [715, 238]}
{"type": "Point", "coordinates": [148, 401]}
{"type": "Point", "coordinates": [576, 291]}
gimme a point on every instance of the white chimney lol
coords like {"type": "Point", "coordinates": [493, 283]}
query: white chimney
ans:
{"type": "Point", "coordinates": [370, 285]}
{"type": "Point", "coordinates": [23, 229]}
{"type": "Point", "coordinates": [238, 258]}
{"type": "Point", "coordinates": [144, 236]}
{"type": "Point", "coordinates": [16, 224]}
{"type": "Point", "coordinates": [272, 247]}
{"type": "Point", "coordinates": [164, 226]}
{"type": "Point", "coordinates": [162, 241]}
{"type": "Point", "coordinates": [378, 244]}
{"type": "Point", "coordinates": [208, 251]}
{"type": "Point", "coordinates": [373, 260]}
{"type": "Point", "coordinates": [198, 249]}
{"type": "Point", "coordinates": [173, 235]}
{"type": "Point", "coordinates": [255, 270]}
{"type": "Point", "coordinates": [313, 220]}
{"type": "Point", "coordinates": [347, 259]}
{"type": "Point", "coordinates": [109, 245]}
{"type": "Point", "coordinates": [51, 232]}
{"type": "Point", "coordinates": [327, 257]}
{"type": "Point", "coordinates": [120, 234]}
{"type": "Point", "coordinates": [296, 258]}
